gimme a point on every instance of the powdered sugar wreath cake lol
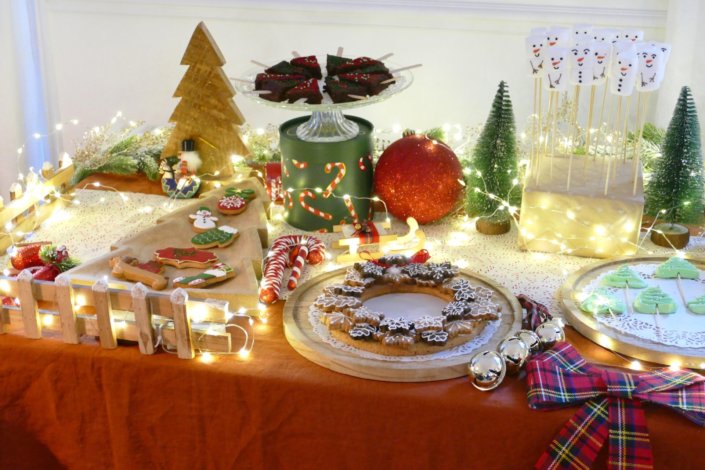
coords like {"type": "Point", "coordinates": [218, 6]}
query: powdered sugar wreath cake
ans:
{"type": "Point", "coordinates": [341, 307]}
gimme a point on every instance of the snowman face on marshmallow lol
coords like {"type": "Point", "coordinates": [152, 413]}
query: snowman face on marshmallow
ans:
{"type": "Point", "coordinates": [582, 33]}
{"type": "Point", "coordinates": [652, 65]}
{"type": "Point", "coordinates": [624, 72]}
{"type": "Point", "coordinates": [555, 67]}
{"type": "Point", "coordinates": [581, 62]}
{"type": "Point", "coordinates": [534, 52]}
{"type": "Point", "coordinates": [604, 35]}
{"type": "Point", "coordinates": [633, 35]}
{"type": "Point", "coordinates": [601, 52]}
{"type": "Point", "coordinates": [557, 37]}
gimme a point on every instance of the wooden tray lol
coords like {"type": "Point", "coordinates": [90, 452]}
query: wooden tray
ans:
{"type": "Point", "coordinates": [625, 344]}
{"type": "Point", "coordinates": [306, 342]}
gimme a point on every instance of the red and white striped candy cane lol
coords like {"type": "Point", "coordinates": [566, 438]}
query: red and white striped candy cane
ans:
{"type": "Point", "coordinates": [285, 170]}
{"type": "Point", "coordinates": [351, 208]}
{"type": "Point", "coordinates": [298, 267]}
{"type": "Point", "coordinates": [318, 213]}
{"type": "Point", "coordinates": [338, 178]}
{"type": "Point", "coordinates": [361, 164]}
{"type": "Point", "coordinates": [299, 165]}
{"type": "Point", "coordinates": [272, 275]}
{"type": "Point", "coordinates": [288, 200]}
{"type": "Point", "coordinates": [316, 248]}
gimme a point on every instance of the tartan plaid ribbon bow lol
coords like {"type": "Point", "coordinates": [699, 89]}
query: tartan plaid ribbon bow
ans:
{"type": "Point", "coordinates": [611, 407]}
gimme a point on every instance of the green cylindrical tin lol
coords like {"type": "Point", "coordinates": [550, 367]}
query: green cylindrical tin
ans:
{"type": "Point", "coordinates": [310, 168]}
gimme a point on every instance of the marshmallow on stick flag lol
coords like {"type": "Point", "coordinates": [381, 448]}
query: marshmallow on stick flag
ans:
{"type": "Point", "coordinates": [652, 65]}
{"type": "Point", "coordinates": [556, 69]}
{"type": "Point", "coordinates": [582, 33]}
{"type": "Point", "coordinates": [624, 69]}
{"type": "Point", "coordinates": [582, 62]}
{"type": "Point", "coordinates": [535, 53]}
{"type": "Point", "coordinates": [557, 37]}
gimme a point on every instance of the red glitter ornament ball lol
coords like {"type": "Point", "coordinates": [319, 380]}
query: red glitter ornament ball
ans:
{"type": "Point", "coordinates": [27, 256]}
{"type": "Point", "coordinates": [418, 177]}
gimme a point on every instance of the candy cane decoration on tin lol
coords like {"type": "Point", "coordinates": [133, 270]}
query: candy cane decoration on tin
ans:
{"type": "Point", "coordinates": [299, 165]}
{"type": "Point", "coordinates": [338, 178]}
{"type": "Point", "coordinates": [278, 257]}
{"type": "Point", "coordinates": [318, 213]}
{"type": "Point", "coordinates": [361, 164]}
{"type": "Point", "coordinates": [351, 208]}
{"type": "Point", "coordinates": [288, 200]}
{"type": "Point", "coordinates": [298, 267]}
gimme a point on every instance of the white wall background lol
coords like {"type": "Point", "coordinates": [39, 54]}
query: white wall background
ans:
{"type": "Point", "coordinates": [100, 56]}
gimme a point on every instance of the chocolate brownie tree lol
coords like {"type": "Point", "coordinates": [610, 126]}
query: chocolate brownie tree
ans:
{"type": "Point", "coordinates": [491, 185]}
{"type": "Point", "coordinates": [676, 189]}
{"type": "Point", "coordinates": [206, 112]}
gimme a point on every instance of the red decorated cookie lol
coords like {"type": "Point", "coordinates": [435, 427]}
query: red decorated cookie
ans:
{"type": "Point", "coordinates": [232, 205]}
{"type": "Point", "coordinates": [185, 257]}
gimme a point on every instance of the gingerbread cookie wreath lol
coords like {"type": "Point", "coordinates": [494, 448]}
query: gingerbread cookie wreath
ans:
{"type": "Point", "coordinates": [341, 307]}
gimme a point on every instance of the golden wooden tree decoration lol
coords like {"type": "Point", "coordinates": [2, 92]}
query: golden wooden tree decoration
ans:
{"type": "Point", "coordinates": [206, 112]}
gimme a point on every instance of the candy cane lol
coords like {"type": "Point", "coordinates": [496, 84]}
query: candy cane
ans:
{"type": "Point", "coordinates": [312, 210]}
{"type": "Point", "coordinates": [334, 184]}
{"type": "Point", "coordinates": [298, 267]}
{"type": "Point", "coordinates": [299, 165]}
{"type": "Point", "coordinates": [351, 208]}
{"type": "Point", "coordinates": [286, 170]}
{"type": "Point", "coordinates": [361, 164]}
{"type": "Point", "coordinates": [288, 200]}
{"type": "Point", "coordinates": [272, 273]}
{"type": "Point", "coordinates": [316, 248]}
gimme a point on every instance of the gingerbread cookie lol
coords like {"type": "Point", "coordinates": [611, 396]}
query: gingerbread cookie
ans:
{"type": "Point", "coordinates": [435, 338]}
{"type": "Point", "coordinates": [337, 321]}
{"type": "Point", "coordinates": [203, 220]}
{"type": "Point", "coordinates": [336, 303]}
{"type": "Point", "coordinates": [218, 273]}
{"type": "Point", "coordinates": [235, 201]}
{"type": "Point", "coordinates": [128, 268]}
{"type": "Point", "coordinates": [185, 257]}
{"type": "Point", "coordinates": [217, 237]}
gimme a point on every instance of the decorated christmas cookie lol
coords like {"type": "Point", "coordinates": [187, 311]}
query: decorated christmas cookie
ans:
{"type": "Point", "coordinates": [218, 273]}
{"type": "Point", "coordinates": [653, 299]}
{"type": "Point", "coordinates": [203, 220]}
{"type": "Point", "coordinates": [235, 201]}
{"type": "Point", "coordinates": [216, 237]}
{"type": "Point", "coordinates": [130, 269]}
{"type": "Point", "coordinates": [676, 268]}
{"type": "Point", "coordinates": [185, 257]}
{"type": "Point", "coordinates": [602, 301]}
{"type": "Point", "coordinates": [624, 277]}
{"type": "Point", "coordinates": [697, 305]}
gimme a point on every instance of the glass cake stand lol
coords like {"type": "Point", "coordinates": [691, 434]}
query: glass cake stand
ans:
{"type": "Point", "coordinates": [327, 122]}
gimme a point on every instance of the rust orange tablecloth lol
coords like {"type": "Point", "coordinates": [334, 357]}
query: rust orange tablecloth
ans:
{"type": "Point", "coordinates": [84, 407]}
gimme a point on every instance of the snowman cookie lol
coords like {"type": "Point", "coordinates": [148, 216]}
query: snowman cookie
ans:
{"type": "Point", "coordinates": [203, 220]}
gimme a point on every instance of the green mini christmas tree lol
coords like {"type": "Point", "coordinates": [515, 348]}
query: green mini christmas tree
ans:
{"type": "Point", "coordinates": [494, 175]}
{"type": "Point", "coordinates": [676, 184]}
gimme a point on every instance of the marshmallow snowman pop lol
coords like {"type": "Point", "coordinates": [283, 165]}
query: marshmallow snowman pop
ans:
{"type": "Point", "coordinates": [602, 45]}
{"type": "Point", "coordinates": [652, 59]}
{"type": "Point", "coordinates": [581, 61]}
{"type": "Point", "coordinates": [535, 54]}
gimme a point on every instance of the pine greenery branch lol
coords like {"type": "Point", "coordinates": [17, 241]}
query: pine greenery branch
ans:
{"type": "Point", "coordinates": [494, 163]}
{"type": "Point", "coordinates": [676, 184]}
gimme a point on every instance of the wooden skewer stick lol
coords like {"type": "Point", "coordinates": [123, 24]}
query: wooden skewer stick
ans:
{"type": "Point", "coordinates": [532, 157]}
{"type": "Point", "coordinates": [260, 92]}
{"type": "Point", "coordinates": [637, 156]}
{"type": "Point", "coordinates": [600, 133]}
{"type": "Point", "coordinates": [657, 323]}
{"type": "Point", "coordinates": [260, 64]}
{"type": "Point", "coordinates": [386, 56]}
{"type": "Point", "coordinates": [405, 68]}
{"type": "Point", "coordinates": [554, 118]}
{"type": "Point", "coordinates": [628, 302]}
{"type": "Point", "coordinates": [358, 97]}
{"type": "Point", "coordinates": [571, 149]}
{"type": "Point", "coordinates": [681, 292]}
{"type": "Point", "coordinates": [295, 53]}
{"type": "Point", "coordinates": [389, 80]}
{"type": "Point", "coordinates": [589, 122]}
{"type": "Point", "coordinates": [625, 128]}
{"type": "Point", "coordinates": [339, 53]}
{"type": "Point", "coordinates": [539, 155]}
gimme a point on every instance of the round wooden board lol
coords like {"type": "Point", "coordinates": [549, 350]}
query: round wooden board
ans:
{"type": "Point", "coordinates": [299, 332]}
{"type": "Point", "coordinates": [610, 339]}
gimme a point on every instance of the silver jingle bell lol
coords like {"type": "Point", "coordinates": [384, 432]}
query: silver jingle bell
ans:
{"type": "Point", "coordinates": [549, 334]}
{"type": "Point", "coordinates": [486, 370]}
{"type": "Point", "coordinates": [515, 352]}
{"type": "Point", "coordinates": [531, 339]}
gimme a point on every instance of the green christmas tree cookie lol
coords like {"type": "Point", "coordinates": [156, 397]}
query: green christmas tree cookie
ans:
{"type": "Point", "coordinates": [602, 301]}
{"type": "Point", "coordinates": [654, 298]}
{"type": "Point", "coordinates": [675, 267]}
{"type": "Point", "coordinates": [624, 277]}
{"type": "Point", "coordinates": [697, 305]}
{"type": "Point", "coordinates": [220, 237]}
